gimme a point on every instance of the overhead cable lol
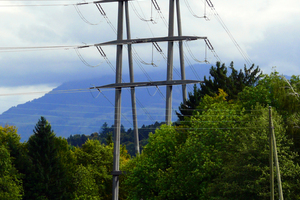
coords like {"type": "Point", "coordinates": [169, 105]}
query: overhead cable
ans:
{"type": "Point", "coordinates": [84, 61]}
{"type": "Point", "coordinates": [114, 105]}
{"type": "Point", "coordinates": [135, 55]}
{"type": "Point", "coordinates": [211, 48]}
{"type": "Point", "coordinates": [139, 16]}
{"type": "Point", "coordinates": [192, 12]}
{"type": "Point", "coordinates": [44, 5]}
{"type": "Point", "coordinates": [191, 53]}
{"type": "Point", "coordinates": [219, 19]}
{"type": "Point", "coordinates": [102, 12]}
{"type": "Point", "coordinates": [82, 17]}
{"type": "Point", "coordinates": [34, 48]}
{"type": "Point", "coordinates": [102, 53]}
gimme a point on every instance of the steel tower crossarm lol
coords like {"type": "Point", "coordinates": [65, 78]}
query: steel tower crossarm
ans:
{"type": "Point", "coordinates": [145, 84]}
{"type": "Point", "coordinates": [150, 40]}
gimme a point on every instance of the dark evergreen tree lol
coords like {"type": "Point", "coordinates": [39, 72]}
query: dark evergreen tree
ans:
{"type": "Point", "coordinates": [105, 136]}
{"type": "Point", "coordinates": [47, 177]}
{"type": "Point", "coordinates": [109, 139]}
{"type": "Point", "coordinates": [77, 140]}
{"type": "Point", "coordinates": [232, 84]}
{"type": "Point", "coordinates": [104, 129]}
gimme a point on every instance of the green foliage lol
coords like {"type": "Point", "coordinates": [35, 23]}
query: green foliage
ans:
{"type": "Point", "coordinates": [95, 159]}
{"type": "Point", "coordinates": [276, 91]}
{"type": "Point", "coordinates": [46, 178]}
{"type": "Point", "coordinates": [86, 186]}
{"type": "Point", "coordinates": [223, 153]}
{"type": "Point", "coordinates": [92, 176]}
{"type": "Point", "coordinates": [10, 178]}
{"type": "Point", "coordinates": [146, 171]}
{"type": "Point", "coordinates": [105, 136]}
{"type": "Point", "coordinates": [51, 169]}
{"type": "Point", "coordinates": [9, 137]}
{"type": "Point", "coordinates": [236, 151]}
{"type": "Point", "coordinates": [10, 182]}
{"type": "Point", "coordinates": [77, 140]}
{"type": "Point", "coordinates": [232, 84]}
{"type": "Point", "coordinates": [270, 90]}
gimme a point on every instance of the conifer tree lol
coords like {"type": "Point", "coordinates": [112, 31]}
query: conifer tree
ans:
{"type": "Point", "coordinates": [232, 84]}
{"type": "Point", "coordinates": [46, 176]}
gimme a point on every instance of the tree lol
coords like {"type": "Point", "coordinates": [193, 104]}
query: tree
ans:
{"type": "Point", "coordinates": [94, 162]}
{"type": "Point", "coordinates": [18, 152]}
{"type": "Point", "coordinates": [85, 184]}
{"type": "Point", "coordinates": [234, 152]}
{"type": "Point", "coordinates": [47, 177]}
{"type": "Point", "coordinates": [219, 79]}
{"type": "Point", "coordinates": [10, 182]}
{"type": "Point", "coordinates": [10, 178]}
{"type": "Point", "coordinates": [95, 159]}
{"type": "Point", "coordinates": [222, 153]}
{"type": "Point", "coordinates": [146, 171]}
{"type": "Point", "coordinates": [282, 94]}
{"type": "Point", "coordinates": [77, 140]}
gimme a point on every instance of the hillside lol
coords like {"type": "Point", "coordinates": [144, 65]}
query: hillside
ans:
{"type": "Point", "coordinates": [73, 111]}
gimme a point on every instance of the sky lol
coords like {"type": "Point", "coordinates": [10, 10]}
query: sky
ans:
{"type": "Point", "coordinates": [266, 31]}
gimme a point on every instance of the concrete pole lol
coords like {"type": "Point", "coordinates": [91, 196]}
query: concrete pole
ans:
{"type": "Point", "coordinates": [181, 55]}
{"type": "Point", "coordinates": [170, 64]}
{"type": "Point", "coordinates": [271, 162]}
{"type": "Point", "coordinates": [280, 193]}
{"type": "Point", "coordinates": [117, 123]}
{"type": "Point", "coordinates": [133, 98]}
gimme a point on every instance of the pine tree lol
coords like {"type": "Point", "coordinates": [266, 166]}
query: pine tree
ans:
{"type": "Point", "coordinates": [46, 176]}
{"type": "Point", "coordinates": [232, 84]}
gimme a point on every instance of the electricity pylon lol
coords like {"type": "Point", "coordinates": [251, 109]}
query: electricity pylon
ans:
{"type": "Point", "coordinates": [119, 85]}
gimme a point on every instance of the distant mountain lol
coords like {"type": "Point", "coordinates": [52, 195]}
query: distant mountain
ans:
{"type": "Point", "coordinates": [73, 109]}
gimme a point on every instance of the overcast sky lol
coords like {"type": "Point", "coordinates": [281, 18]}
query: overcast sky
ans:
{"type": "Point", "coordinates": [267, 31]}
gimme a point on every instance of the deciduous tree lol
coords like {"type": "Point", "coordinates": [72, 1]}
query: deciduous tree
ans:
{"type": "Point", "coordinates": [10, 180]}
{"type": "Point", "coordinates": [222, 153]}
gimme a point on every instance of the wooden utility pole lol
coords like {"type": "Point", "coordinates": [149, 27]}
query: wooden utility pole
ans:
{"type": "Point", "coordinates": [274, 148]}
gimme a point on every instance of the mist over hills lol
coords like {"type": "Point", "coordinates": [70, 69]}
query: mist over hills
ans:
{"type": "Point", "coordinates": [73, 109]}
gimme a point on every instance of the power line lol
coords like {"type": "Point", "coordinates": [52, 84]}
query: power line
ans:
{"type": "Point", "coordinates": [192, 12]}
{"type": "Point", "coordinates": [38, 0]}
{"type": "Point", "coordinates": [34, 48]}
{"type": "Point", "coordinates": [102, 53]}
{"type": "Point", "coordinates": [138, 14]}
{"type": "Point", "coordinates": [82, 16]}
{"type": "Point", "coordinates": [135, 56]}
{"type": "Point", "coordinates": [43, 5]}
{"type": "Point", "coordinates": [185, 56]}
{"type": "Point", "coordinates": [191, 53]}
{"type": "Point", "coordinates": [219, 19]}
{"type": "Point", "coordinates": [79, 90]}
{"type": "Point", "coordinates": [80, 105]}
{"type": "Point", "coordinates": [49, 92]}
{"type": "Point", "coordinates": [84, 61]}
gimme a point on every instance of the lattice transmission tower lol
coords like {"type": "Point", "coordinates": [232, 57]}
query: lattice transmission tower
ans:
{"type": "Point", "coordinates": [169, 82]}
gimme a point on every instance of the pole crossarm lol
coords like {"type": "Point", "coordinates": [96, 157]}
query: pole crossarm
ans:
{"type": "Point", "coordinates": [144, 84]}
{"type": "Point", "coordinates": [149, 40]}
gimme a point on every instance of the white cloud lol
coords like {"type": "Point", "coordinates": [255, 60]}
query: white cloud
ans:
{"type": "Point", "coordinates": [267, 30]}
{"type": "Point", "coordinates": [11, 96]}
